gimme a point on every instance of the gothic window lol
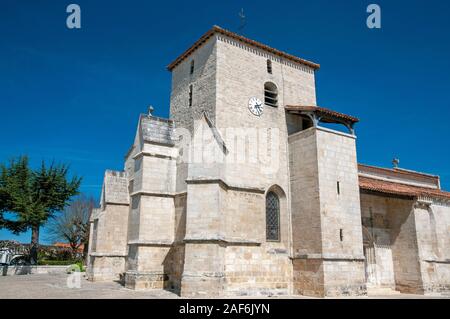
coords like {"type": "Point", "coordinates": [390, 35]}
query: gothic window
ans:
{"type": "Point", "coordinates": [269, 66]}
{"type": "Point", "coordinates": [270, 94]}
{"type": "Point", "coordinates": [190, 95]}
{"type": "Point", "coordinates": [272, 217]}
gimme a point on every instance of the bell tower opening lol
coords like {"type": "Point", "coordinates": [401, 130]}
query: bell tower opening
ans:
{"type": "Point", "coordinates": [270, 94]}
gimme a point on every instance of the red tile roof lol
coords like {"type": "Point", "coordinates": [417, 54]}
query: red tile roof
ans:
{"type": "Point", "coordinates": [235, 36]}
{"type": "Point", "coordinates": [393, 188]}
{"type": "Point", "coordinates": [67, 245]}
{"type": "Point", "coordinates": [321, 111]}
{"type": "Point", "coordinates": [398, 171]}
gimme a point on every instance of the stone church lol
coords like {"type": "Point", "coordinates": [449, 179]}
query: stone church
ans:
{"type": "Point", "coordinates": [250, 188]}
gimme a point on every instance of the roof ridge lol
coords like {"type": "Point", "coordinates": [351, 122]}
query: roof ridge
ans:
{"type": "Point", "coordinates": [410, 190]}
{"type": "Point", "coordinates": [395, 182]}
{"type": "Point", "coordinates": [316, 108]}
{"type": "Point", "coordinates": [400, 170]}
{"type": "Point", "coordinates": [218, 29]}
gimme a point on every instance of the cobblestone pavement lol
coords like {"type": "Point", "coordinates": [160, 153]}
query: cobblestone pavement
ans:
{"type": "Point", "coordinates": [55, 286]}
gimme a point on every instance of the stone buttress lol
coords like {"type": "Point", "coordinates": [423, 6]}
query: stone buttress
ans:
{"type": "Point", "coordinates": [108, 230]}
{"type": "Point", "coordinates": [151, 164]}
{"type": "Point", "coordinates": [328, 255]}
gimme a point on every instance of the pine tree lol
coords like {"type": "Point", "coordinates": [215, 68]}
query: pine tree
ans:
{"type": "Point", "coordinates": [33, 196]}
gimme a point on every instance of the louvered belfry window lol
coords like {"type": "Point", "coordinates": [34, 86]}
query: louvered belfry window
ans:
{"type": "Point", "coordinates": [270, 94]}
{"type": "Point", "coordinates": [272, 217]}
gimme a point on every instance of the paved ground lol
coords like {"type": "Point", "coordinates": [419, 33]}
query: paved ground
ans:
{"type": "Point", "coordinates": [55, 286]}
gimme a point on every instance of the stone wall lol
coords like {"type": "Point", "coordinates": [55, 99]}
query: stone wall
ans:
{"type": "Point", "coordinates": [176, 255]}
{"type": "Point", "coordinates": [217, 217]}
{"type": "Point", "coordinates": [109, 230]}
{"type": "Point", "coordinates": [145, 267]}
{"type": "Point", "coordinates": [152, 218]}
{"type": "Point", "coordinates": [253, 265]}
{"type": "Point", "coordinates": [414, 237]}
{"type": "Point", "coordinates": [107, 267]}
{"type": "Point", "coordinates": [199, 227]}
{"type": "Point", "coordinates": [433, 238]}
{"type": "Point", "coordinates": [306, 225]}
{"type": "Point", "coordinates": [328, 255]}
{"type": "Point", "coordinates": [151, 227]}
{"type": "Point", "coordinates": [203, 264]}
{"type": "Point", "coordinates": [236, 189]}
{"type": "Point", "coordinates": [236, 84]}
{"type": "Point", "coordinates": [377, 224]}
{"type": "Point", "coordinates": [404, 246]}
{"type": "Point", "coordinates": [229, 257]}
{"type": "Point", "coordinates": [257, 270]}
{"type": "Point", "coordinates": [241, 74]}
{"type": "Point", "coordinates": [203, 82]}
{"type": "Point", "coordinates": [340, 213]}
{"type": "Point", "coordinates": [29, 270]}
{"type": "Point", "coordinates": [112, 230]}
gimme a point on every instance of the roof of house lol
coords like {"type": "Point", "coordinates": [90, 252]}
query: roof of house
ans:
{"type": "Point", "coordinates": [321, 111]}
{"type": "Point", "coordinates": [395, 188]}
{"type": "Point", "coordinates": [216, 29]}
{"type": "Point", "coordinates": [399, 171]}
{"type": "Point", "coordinates": [67, 245]}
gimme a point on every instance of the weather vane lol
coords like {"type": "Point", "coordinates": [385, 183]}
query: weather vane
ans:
{"type": "Point", "coordinates": [243, 21]}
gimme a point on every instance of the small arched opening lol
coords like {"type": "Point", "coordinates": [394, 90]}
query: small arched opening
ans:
{"type": "Point", "coordinates": [270, 94]}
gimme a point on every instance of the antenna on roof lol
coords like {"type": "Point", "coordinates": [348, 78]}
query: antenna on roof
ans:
{"type": "Point", "coordinates": [243, 21]}
{"type": "Point", "coordinates": [395, 162]}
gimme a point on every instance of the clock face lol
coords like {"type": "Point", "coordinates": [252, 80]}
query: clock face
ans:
{"type": "Point", "coordinates": [255, 106]}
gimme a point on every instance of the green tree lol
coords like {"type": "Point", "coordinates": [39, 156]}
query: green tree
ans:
{"type": "Point", "coordinates": [33, 196]}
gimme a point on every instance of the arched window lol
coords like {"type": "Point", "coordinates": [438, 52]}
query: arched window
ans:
{"type": "Point", "coordinates": [270, 94]}
{"type": "Point", "coordinates": [272, 217]}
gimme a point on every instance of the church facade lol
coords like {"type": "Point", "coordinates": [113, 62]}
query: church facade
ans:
{"type": "Point", "coordinates": [250, 188]}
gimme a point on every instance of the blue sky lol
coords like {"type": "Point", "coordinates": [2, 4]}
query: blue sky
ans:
{"type": "Point", "coordinates": [75, 95]}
